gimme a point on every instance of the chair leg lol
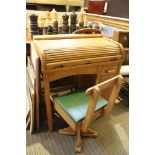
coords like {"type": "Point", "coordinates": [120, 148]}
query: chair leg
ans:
{"type": "Point", "coordinates": [78, 140]}
{"type": "Point", "coordinates": [89, 133]}
{"type": "Point", "coordinates": [67, 131]}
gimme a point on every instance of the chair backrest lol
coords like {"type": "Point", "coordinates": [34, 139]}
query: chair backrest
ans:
{"type": "Point", "coordinates": [109, 90]}
{"type": "Point", "coordinates": [87, 31]}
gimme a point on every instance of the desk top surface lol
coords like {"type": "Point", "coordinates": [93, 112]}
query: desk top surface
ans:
{"type": "Point", "coordinates": [77, 44]}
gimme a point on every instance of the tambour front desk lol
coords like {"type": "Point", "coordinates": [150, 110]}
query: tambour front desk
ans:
{"type": "Point", "coordinates": [74, 54]}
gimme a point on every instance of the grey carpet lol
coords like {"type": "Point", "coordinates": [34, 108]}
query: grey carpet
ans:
{"type": "Point", "coordinates": [112, 136]}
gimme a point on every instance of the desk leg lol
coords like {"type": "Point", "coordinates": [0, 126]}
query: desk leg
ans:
{"type": "Point", "coordinates": [48, 102]}
{"type": "Point", "coordinates": [98, 75]}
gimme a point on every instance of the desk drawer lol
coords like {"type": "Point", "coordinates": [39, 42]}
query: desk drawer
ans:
{"type": "Point", "coordinates": [109, 70]}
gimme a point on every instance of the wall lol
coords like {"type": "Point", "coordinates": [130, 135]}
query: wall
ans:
{"type": "Point", "coordinates": [118, 8]}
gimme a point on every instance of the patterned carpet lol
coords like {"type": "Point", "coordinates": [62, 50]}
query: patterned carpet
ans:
{"type": "Point", "coordinates": [112, 135]}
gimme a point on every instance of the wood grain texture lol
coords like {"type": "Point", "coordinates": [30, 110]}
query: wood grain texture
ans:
{"type": "Point", "coordinates": [48, 102]}
{"type": "Point", "coordinates": [65, 36]}
{"type": "Point", "coordinates": [88, 50]}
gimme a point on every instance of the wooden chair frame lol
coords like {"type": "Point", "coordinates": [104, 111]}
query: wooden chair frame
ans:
{"type": "Point", "coordinates": [108, 89]}
{"type": "Point", "coordinates": [87, 31]}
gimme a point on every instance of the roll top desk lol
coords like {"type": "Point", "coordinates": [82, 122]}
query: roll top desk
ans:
{"type": "Point", "coordinates": [75, 54]}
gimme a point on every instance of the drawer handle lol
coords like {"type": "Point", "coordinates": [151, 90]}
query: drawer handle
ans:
{"type": "Point", "coordinates": [125, 38]}
{"type": "Point", "coordinates": [110, 71]}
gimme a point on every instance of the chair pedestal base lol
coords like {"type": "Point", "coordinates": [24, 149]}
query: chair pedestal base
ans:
{"type": "Point", "coordinates": [69, 131]}
{"type": "Point", "coordinates": [89, 133]}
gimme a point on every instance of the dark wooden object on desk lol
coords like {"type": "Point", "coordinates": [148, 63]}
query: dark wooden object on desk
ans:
{"type": "Point", "coordinates": [50, 30]}
{"type": "Point", "coordinates": [87, 31]}
{"type": "Point", "coordinates": [55, 27]}
{"type": "Point", "coordinates": [65, 26]}
{"type": "Point", "coordinates": [73, 17]}
{"type": "Point", "coordinates": [96, 6]}
{"type": "Point", "coordinates": [34, 25]}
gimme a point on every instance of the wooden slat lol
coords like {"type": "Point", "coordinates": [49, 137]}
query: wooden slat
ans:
{"type": "Point", "coordinates": [65, 36]}
{"type": "Point", "coordinates": [82, 50]}
{"type": "Point", "coordinates": [88, 50]}
{"type": "Point", "coordinates": [62, 64]}
{"type": "Point", "coordinates": [79, 55]}
{"type": "Point", "coordinates": [108, 62]}
{"type": "Point", "coordinates": [77, 43]}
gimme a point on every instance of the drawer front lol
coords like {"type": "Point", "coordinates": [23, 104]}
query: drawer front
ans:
{"type": "Point", "coordinates": [110, 70]}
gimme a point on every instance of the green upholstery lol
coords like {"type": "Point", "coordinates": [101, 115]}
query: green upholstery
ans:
{"type": "Point", "coordinates": [75, 104]}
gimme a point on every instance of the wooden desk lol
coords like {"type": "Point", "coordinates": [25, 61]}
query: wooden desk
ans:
{"type": "Point", "coordinates": [78, 54]}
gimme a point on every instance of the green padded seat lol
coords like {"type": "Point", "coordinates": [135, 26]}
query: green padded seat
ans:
{"type": "Point", "coordinates": [75, 104]}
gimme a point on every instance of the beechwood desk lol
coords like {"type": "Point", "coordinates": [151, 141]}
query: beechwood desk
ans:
{"type": "Point", "coordinates": [66, 55]}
